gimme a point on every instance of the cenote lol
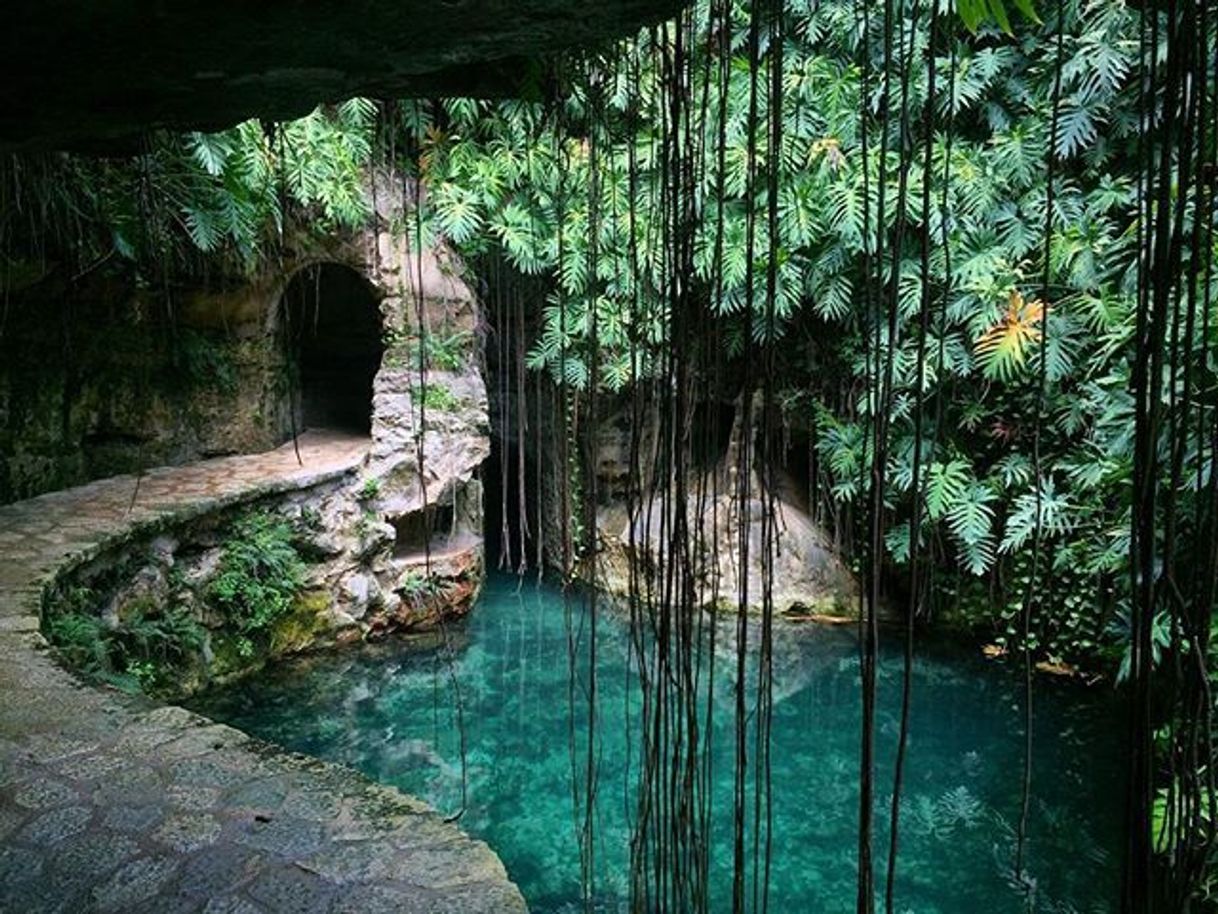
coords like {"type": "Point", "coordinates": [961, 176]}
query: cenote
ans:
{"type": "Point", "coordinates": [901, 315]}
{"type": "Point", "coordinates": [388, 710]}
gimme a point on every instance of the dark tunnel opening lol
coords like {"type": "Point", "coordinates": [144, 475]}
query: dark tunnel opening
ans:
{"type": "Point", "coordinates": [332, 329]}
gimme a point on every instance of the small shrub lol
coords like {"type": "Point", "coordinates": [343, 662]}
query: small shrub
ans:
{"type": "Point", "coordinates": [437, 397]}
{"type": "Point", "coordinates": [447, 352]}
{"type": "Point", "coordinates": [364, 524]}
{"type": "Point", "coordinates": [81, 641]}
{"type": "Point", "coordinates": [370, 489]}
{"type": "Point", "coordinates": [416, 587]}
{"type": "Point", "coordinates": [137, 655]}
{"type": "Point", "coordinates": [440, 351]}
{"type": "Point", "coordinates": [260, 574]}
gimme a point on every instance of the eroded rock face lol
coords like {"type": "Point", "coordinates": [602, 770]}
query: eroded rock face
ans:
{"type": "Point", "coordinates": [84, 74]}
{"type": "Point", "coordinates": [430, 429]}
{"type": "Point", "coordinates": [807, 575]}
{"type": "Point", "coordinates": [97, 381]}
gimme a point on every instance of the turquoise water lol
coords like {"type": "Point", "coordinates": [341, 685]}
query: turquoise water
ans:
{"type": "Point", "coordinates": [387, 710]}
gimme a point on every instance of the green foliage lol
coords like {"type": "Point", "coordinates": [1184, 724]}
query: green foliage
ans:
{"type": "Point", "coordinates": [197, 198]}
{"type": "Point", "coordinates": [370, 490]}
{"type": "Point", "coordinates": [946, 482]}
{"type": "Point", "coordinates": [970, 519]}
{"type": "Point", "coordinates": [993, 329]}
{"type": "Point", "coordinates": [260, 574]}
{"type": "Point", "coordinates": [315, 163]}
{"type": "Point", "coordinates": [1053, 510]}
{"type": "Point", "coordinates": [974, 13]}
{"type": "Point", "coordinates": [1168, 831]}
{"type": "Point", "coordinates": [81, 641]}
{"type": "Point", "coordinates": [140, 653]}
{"type": "Point", "coordinates": [1002, 350]}
{"type": "Point", "coordinates": [436, 397]}
{"type": "Point", "coordinates": [445, 351]}
{"type": "Point", "coordinates": [416, 587]}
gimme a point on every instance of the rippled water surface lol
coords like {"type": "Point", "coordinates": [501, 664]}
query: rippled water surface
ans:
{"type": "Point", "coordinates": [388, 711]}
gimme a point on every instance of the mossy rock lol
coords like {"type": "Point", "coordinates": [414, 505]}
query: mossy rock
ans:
{"type": "Point", "coordinates": [828, 608]}
{"type": "Point", "coordinates": [234, 655]}
{"type": "Point", "coordinates": [299, 628]}
{"type": "Point", "coordinates": [231, 657]}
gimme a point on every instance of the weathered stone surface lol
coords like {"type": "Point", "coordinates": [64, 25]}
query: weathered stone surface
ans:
{"type": "Point", "coordinates": [362, 533]}
{"type": "Point", "coordinates": [807, 574]}
{"type": "Point", "coordinates": [108, 803]}
{"type": "Point", "coordinates": [138, 389]}
{"type": "Point", "coordinates": [66, 73]}
{"type": "Point", "coordinates": [188, 831]}
{"type": "Point", "coordinates": [135, 882]}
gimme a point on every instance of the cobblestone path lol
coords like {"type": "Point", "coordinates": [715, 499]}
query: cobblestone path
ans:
{"type": "Point", "coordinates": [111, 803]}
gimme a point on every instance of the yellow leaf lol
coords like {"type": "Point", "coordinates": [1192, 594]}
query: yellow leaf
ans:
{"type": "Point", "coordinates": [1003, 348]}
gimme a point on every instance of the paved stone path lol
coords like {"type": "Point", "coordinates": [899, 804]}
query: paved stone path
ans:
{"type": "Point", "coordinates": [110, 803]}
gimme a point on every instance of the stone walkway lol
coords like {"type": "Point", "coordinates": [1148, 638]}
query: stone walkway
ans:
{"type": "Point", "coordinates": [110, 803]}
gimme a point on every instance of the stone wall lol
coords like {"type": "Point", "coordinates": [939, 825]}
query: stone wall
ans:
{"type": "Point", "coordinates": [397, 545]}
{"type": "Point", "coordinates": [354, 585]}
{"type": "Point", "coordinates": [101, 379]}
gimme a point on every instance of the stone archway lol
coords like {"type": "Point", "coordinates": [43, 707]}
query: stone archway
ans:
{"type": "Point", "coordinates": [332, 331]}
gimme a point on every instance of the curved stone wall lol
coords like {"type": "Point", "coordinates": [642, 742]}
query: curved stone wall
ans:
{"type": "Point", "coordinates": [110, 803]}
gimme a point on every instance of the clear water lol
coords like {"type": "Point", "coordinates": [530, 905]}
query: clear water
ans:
{"type": "Point", "coordinates": [388, 711]}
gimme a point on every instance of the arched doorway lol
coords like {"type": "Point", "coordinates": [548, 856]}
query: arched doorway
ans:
{"type": "Point", "coordinates": [332, 330]}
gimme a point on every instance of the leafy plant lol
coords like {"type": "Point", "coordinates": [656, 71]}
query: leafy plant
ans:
{"type": "Point", "coordinates": [976, 12]}
{"type": "Point", "coordinates": [81, 641]}
{"type": "Point", "coordinates": [443, 351]}
{"type": "Point", "coordinates": [140, 653]}
{"type": "Point", "coordinates": [260, 574]}
{"type": "Point", "coordinates": [436, 397]}
{"type": "Point", "coordinates": [1002, 349]}
{"type": "Point", "coordinates": [416, 587]}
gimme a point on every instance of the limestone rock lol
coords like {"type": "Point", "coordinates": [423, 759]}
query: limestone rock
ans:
{"type": "Point", "coordinates": [147, 590]}
{"type": "Point", "coordinates": [201, 568]}
{"type": "Point", "coordinates": [359, 592]}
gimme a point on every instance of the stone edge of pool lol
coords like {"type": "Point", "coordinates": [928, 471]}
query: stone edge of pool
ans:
{"type": "Point", "coordinates": [113, 803]}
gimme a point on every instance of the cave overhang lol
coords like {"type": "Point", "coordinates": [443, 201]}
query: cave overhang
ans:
{"type": "Point", "coordinates": [78, 74]}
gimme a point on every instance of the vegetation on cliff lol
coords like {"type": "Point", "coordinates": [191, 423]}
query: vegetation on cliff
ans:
{"type": "Point", "coordinates": [511, 179]}
{"type": "Point", "coordinates": [149, 629]}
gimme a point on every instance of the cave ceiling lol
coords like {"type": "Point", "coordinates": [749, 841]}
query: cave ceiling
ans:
{"type": "Point", "coordinates": [83, 74]}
